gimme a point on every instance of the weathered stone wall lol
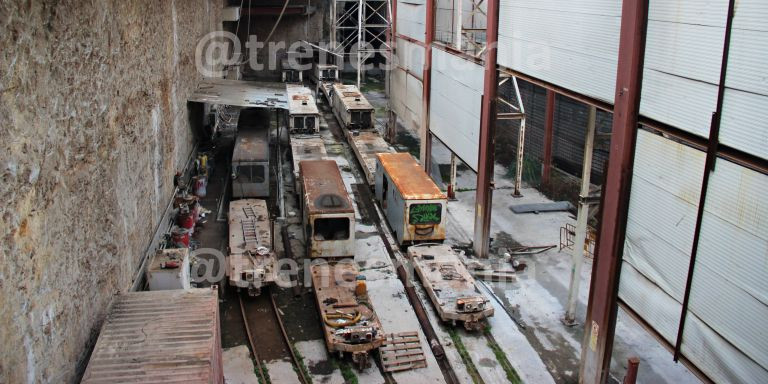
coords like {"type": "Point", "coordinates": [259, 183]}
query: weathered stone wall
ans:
{"type": "Point", "coordinates": [93, 125]}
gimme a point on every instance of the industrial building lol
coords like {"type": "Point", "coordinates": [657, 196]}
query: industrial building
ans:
{"type": "Point", "coordinates": [384, 191]}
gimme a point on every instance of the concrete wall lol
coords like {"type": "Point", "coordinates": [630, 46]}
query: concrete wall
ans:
{"type": "Point", "coordinates": [94, 123]}
{"type": "Point", "coordinates": [292, 28]}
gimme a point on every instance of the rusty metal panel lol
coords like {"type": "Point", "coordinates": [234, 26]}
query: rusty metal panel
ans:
{"type": "Point", "coordinates": [159, 337]}
{"type": "Point", "coordinates": [456, 93]}
{"type": "Point", "coordinates": [726, 327]}
{"type": "Point", "coordinates": [409, 177]}
{"type": "Point", "coordinates": [241, 93]}
{"type": "Point", "coordinates": [572, 44]}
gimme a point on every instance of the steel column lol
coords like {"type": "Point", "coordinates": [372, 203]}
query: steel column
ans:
{"type": "Point", "coordinates": [549, 124]}
{"type": "Point", "coordinates": [709, 167]}
{"type": "Point", "coordinates": [425, 149]}
{"type": "Point", "coordinates": [485, 159]}
{"type": "Point", "coordinates": [452, 181]}
{"type": "Point", "coordinates": [601, 310]}
{"type": "Point", "coordinates": [579, 241]}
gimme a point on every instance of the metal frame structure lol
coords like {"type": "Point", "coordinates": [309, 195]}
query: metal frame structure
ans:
{"type": "Point", "coordinates": [600, 325]}
{"type": "Point", "coordinates": [487, 136]}
{"type": "Point", "coordinates": [363, 24]}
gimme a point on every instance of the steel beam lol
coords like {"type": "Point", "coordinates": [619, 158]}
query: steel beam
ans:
{"type": "Point", "coordinates": [549, 124]}
{"type": "Point", "coordinates": [425, 149]}
{"type": "Point", "coordinates": [579, 241]}
{"type": "Point", "coordinates": [601, 310]}
{"type": "Point", "coordinates": [485, 159]}
{"type": "Point", "coordinates": [709, 167]}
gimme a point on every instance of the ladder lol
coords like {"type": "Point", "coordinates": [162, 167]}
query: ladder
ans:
{"type": "Point", "coordinates": [249, 231]}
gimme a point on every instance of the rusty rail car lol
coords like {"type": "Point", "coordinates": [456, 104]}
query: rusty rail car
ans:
{"type": "Point", "coordinates": [350, 324]}
{"type": "Point", "coordinates": [252, 262]}
{"type": "Point", "coordinates": [412, 204]}
{"type": "Point", "coordinates": [250, 156]}
{"type": "Point", "coordinates": [450, 287]}
{"type": "Point", "coordinates": [324, 76]}
{"type": "Point", "coordinates": [327, 211]}
{"type": "Point", "coordinates": [303, 115]}
{"type": "Point", "coordinates": [305, 147]}
{"type": "Point", "coordinates": [351, 108]}
{"type": "Point", "coordinates": [366, 145]}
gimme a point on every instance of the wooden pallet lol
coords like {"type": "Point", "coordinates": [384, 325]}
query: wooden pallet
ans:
{"type": "Point", "coordinates": [401, 352]}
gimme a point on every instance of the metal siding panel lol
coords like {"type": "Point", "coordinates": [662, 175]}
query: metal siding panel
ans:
{"type": "Point", "coordinates": [716, 357]}
{"type": "Point", "coordinates": [682, 64]}
{"type": "Point", "coordinates": [455, 104]}
{"type": "Point", "coordinates": [744, 122]}
{"type": "Point", "coordinates": [751, 14]}
{"type": "Point", "coordinates": [745, 107]}
{"type": "Point", "coordinates": [397, 97]}
{"type": "Point", "coordinates": [699, 12]}
{"type": "Point", "coordinates": [729, 293]}
{"type": "Point", "coordinates": [410, 56]}
{"type": "Point", "coordinates": [411, 17]}
{"type": "Point", "coordinates": [570, 44]}
{"type": "Point", "coordinates": [678, 101]}
{"type": "Point", "coordinates": [666, 187]}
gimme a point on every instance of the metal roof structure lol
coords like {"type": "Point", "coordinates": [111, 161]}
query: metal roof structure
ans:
{"type": "Point", "coordinates": [241, 93]}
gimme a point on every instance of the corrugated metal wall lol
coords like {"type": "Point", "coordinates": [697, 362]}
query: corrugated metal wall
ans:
{"type": "Point", "coordinates": [728, 312]}
{"type": "Point", "coordinates": [407, 93]}
{"type": "Point", "coordinates": [682, 62]}
{"type": "Point", "coordinates": [411, 17]}
{"type": "Point", "coordinates": [666, 183]}
{"type": "Point", "coordinates": [573, 44]}
{"type": "Point", "coordinates": [456, 93]}
{"type": "Point", "coordinates": [745, 110]}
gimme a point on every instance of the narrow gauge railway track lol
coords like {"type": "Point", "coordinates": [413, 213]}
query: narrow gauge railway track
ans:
{"type": "Point", "coordinates": [367, 204]}
{"type": "Point", "coordinates": [261, 312]}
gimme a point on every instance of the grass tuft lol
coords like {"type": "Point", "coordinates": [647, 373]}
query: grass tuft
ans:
{"type": "Point", "coordinates": [471, 368]}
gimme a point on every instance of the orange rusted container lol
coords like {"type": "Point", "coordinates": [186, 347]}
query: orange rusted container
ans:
{"type": "Point", "coordinates": [414, 206]}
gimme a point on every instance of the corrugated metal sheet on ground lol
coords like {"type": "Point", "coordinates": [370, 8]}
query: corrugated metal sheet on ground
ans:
{"type": "Point", "coordinates": [745, 108]}
{"type": "Point", "coordinates": [159, 337]}
{"type": "Point", "coordinates": [729, 292]}
{"type": "Point", "coordinates": [411, 18]}
{"type": "Point", "coordinates": [666, 186]}
{"type": "Point", "coordinates": [457, 88]}
{"type": "Point", "coordinates": [573, 44]}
